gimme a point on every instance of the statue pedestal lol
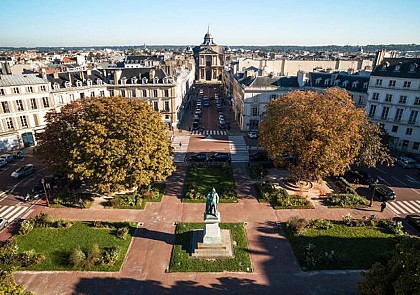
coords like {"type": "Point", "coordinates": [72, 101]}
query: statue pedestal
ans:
{"type": "Point", "coordinates": [212, 230]}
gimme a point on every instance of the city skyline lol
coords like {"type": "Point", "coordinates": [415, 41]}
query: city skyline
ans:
{"type": "Point", "coordinates": [127, 23]}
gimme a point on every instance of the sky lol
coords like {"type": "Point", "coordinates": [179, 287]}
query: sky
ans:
{"type": "Point", "coordinates": [31, 23]}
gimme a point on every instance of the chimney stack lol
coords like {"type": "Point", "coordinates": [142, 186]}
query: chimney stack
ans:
{"type": "Point", "coordinates": [55, 74]}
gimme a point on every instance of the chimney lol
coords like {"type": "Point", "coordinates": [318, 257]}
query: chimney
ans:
{"type": "Point", "coordinates": [117, 76]}
{"type": "Point", "coordinates": [82, 76]}
{"type": "Point", "coordinates": [70, 79]}
{"type": "Point", "coordinates": [55, 74]}
{"type": "Point", "coordinates": [44, 73]}
{"type": "Point", "coordinates": [301, 77]}
{"type": "Point", "coordinates": [88, 73]}
{"type": "Point", "coordinates": [380, 54]}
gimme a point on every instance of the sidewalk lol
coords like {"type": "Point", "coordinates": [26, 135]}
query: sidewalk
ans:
{"type": "Point", "coordinates": [275, 269]}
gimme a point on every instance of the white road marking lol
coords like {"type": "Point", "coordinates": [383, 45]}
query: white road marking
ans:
{"type": "Point", "coordinates": [399, 180]}
{"type": "Point", "coordinates": [415, 204]}
{"type": "Point", "coordinates": [412, 208]}
{"type": "Point", "coordinates": [381, 170]}
{"type": "Point", "coordinates": [414, 190]}
{"type": "Point", "coordinates": [411, 179]}
{"type": "Point", "coordinates": [393, 208]}
{"type": "Point", "coordinates": [383, 180]}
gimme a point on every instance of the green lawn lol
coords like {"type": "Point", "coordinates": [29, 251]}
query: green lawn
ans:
{"type": "Point", "coordinates": [200, 180]}
{"type": "Point", "coordinates": [56, 243]}
{"type": "Point", "coordinates": [180, 261]}
{"type": "Point", "coordinates": [354, 247]}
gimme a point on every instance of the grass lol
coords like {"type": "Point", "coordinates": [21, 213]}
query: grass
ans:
{"type": "Point", "coordinates": [56, 243]}
{"type": "Point", "coordinates": [278, 198]}
{"type": "Point", "coordinates": [354, 247]}
{"type": "Point", "coordinates": [200, 180]}
{"type": "Point", "coordinates": [155, 194]}
{"type": "Point", "coordinates": [180, 261]}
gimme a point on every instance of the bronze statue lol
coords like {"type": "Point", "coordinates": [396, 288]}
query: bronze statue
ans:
{"type": "Point", "coordinates": [211, 203]}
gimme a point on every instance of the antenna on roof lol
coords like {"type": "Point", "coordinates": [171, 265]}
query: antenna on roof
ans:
{"type": "Point", "coordinates": [208, 28]}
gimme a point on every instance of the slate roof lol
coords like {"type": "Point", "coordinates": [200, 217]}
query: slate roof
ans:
{"type": "Point", "coordinates": [75, 76]}
{"type": "Point", "coordinates": [398, 68]}
{"type": "Point", "coordinates": [17, 80]}
{"type": "Point", "coordinates": [132, 59]}
{"type": "Point", "coordinates": [338, 80]}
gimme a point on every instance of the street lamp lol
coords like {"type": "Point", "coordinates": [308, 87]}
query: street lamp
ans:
{"type": "Point", "coordinates": [45, 191]}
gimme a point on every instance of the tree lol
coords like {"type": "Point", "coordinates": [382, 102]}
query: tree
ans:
{"type": "Point", "coordinates": [399, 275]}
{"type": "Point", "coordinates": [324, 132]}
{"type": "Point", "coordinates": [111, 144]}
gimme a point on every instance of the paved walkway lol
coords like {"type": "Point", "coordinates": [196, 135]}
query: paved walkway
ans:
{"type": "Point", "coordinates": [275, 269]}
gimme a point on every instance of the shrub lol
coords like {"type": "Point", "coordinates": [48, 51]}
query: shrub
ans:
{"type": "Point", "coordinates": [394, 226]}
{"type": "Point", "coordinates": [321, 224]}
{"type": "Point", "coordinates": [77, 257]}
{"type": "Point", "coordinates": [25, 227]}
{"type": "Point", "coordinates": [63, 223]}
{"type": "Point", "coordinates": [297, 225]}
{"type": "Point", "coordinates": [122, 232]}
{"type": "Point", "coordinates": [345, 200]}
{"type": "Point", "coordinates": [30, 257]}
{"type": "Point", "coordinates": [94, 256]}
{"type": "Point", "coordinates": [43, 220]}
{"type": "Point", "coordinates": [256, 170]}
{"type": "Point", "coordinates": [111, 255]}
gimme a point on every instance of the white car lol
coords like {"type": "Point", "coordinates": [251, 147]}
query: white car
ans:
{"type": "Point", "coordinates": [3, 162]}
{"type": "Point", "coordinates": [252, 134]}
{"type": "Point", "coordinates": [407, 162]}
{"type": "Point", "coordinates": [3, 223]}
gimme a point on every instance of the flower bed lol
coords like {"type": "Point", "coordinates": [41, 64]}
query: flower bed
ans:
{"type": "Point", "coordinates": [279, 198]}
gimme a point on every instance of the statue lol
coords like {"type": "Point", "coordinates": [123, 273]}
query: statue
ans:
{"type": "Point", "coordinates": [211, 203]}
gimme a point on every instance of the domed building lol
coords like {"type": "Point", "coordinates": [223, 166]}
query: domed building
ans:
{"type": "Point", "coordinates": [209, 61]}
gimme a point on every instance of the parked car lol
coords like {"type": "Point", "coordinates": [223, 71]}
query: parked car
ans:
{"type": "Point", "coordinates": [258, 156]}
{"type": "Point", "coordinates": [414, 221]}
{"type": "Point", "coordinates": [206, 103]}
{"type": "Point", "coordinates": [38, 188]}
{"type": "Point", "coordinates": [3, 162]}
{"type": "Point", "coordinates": [8, 157]}
{"type": "Point", "coordinates": [406, 162]}
{"type": "Point", "coordinates": [252, 134]}
{"type": "Point", "coordinates": [220, 157]}
{"type": "Point", "coordinates": [382, 191]}
{"type": "Point", "coordinates": [18, 155]}
{"type": "Point", "coordinates": [200, 157]}
{"type": "Point", "coordinates": [23, 171]}
{"type": "Point", "coordinates": [361, 176]}
{"type": "Point", "coordinates": [196, 125]}
{"type": "Point", "coordinates": [3, 223]}
{"type": "Point", "coordinates": [222, 126]}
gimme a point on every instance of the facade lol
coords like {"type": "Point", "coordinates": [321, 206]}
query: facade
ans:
{"type": "Point", "coordinates": [209, 61]}
{"type": "Point", "coordinates": [25, 100]}
{"type": "Point", "coordinates": [394, 101]}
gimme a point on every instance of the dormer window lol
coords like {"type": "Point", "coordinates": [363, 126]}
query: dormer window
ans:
{"type": "Point", "coordinates": [67, 84]}
{"type": "Point", "coordinates": [155, 80]}
{"type": "Point", "coordinates": [56, 86]}
{"type": "Point", "coordinates": [354, 84]}
{"type": "Point", "coordinates": [327, 81]}
{"type": "Point", "coordinates": [413, 68]}
{"type": "Point", "coordinates": [78, 83]}
{"type": "Point", "coordinates": [98, 81]}
{"type": "Point", "coordinates": [89, 82]}
{"type": "Point", "coordinates": [124, 81]}
{"type": "Point", "coordinates": [397, 68]}
{"type": "Point", "coordinates": [134, 80]}
{"type": "Point", "coordinates": [385, 66]}
{"type": "Point", "coordinates": [144, 80]}
{"type": "Point", "coordinates": [165, 80]}
{"type": "Point", "coordinates": [365, 85]}
{"type": "Point", "coordinates": [345, 83]}
{"type": "Point", "coordinates": [336, 82]}
{"type": "Point", "coordinates": [318, 80]}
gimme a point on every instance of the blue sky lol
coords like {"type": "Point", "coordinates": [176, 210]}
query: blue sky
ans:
{"type": "Point", "coordinates": [184, 22]}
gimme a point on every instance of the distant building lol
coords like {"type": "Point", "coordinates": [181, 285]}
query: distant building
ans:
{"type": "Point", "coordinates": [394, 100]}
{"type": "Point", "coordinates": [142, 61]}
{"type": "Point", "coordinates": [209, 61]}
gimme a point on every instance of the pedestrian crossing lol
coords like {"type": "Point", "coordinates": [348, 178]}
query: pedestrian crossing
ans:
{"type": "Point", "coordinates": [180, 147]}
{"type": "Point", "coordinates": [209, 132]}
{"type": "Point", "coordinates": [10, 213]}
{"type": "Point", "coordinates": [238, 149]}
{"type": "Point", "coordinates": [404, 207]}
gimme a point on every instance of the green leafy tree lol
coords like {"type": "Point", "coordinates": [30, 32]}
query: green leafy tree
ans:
{"type": "Point", "coordinates": [399, 275]}
{"type": "Point", "coordinates": [324, 131]}
{"type": "Point", "coordinates": [112, 144]}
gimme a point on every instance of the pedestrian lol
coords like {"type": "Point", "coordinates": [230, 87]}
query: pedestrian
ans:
{"type": "Point", "coordinates": [81, 203]}
{"type": "Point", "coordinates": [383, 206]}
{"type": "Point", "coordinates": [180, 144]}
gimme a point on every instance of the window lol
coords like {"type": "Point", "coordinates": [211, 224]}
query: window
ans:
{"type": "Point", "coordinates": [45, 102]}
{"type": "Point", "coordinates": [354, 84]}
{"type": "Point", "coordinates": [405, 143]}
{"type": "Point", "coordinates": [82, 95]}
{"type": "Point", "coordinates": [360, 102]}
{"type": "Point", "coordinates": [2, 92]}
{"type": "Point", "coordinates": [56, 86]}
{"type": "Point", "coordinates": [409, 131]}
{"type": "Point", "coordinates": [144, 93]}
{"type": "Point", "coordinates": [134, 80]}
{"type": "Point", "coordinates": [375, 96]}
{"type": "Point", "coordinates": [416, 145]}
{"type": "Point", "coordinates": [273, 97]}
{"type": "Point", "coordinates": [345, 83]}
{"type": "Point", "coordinates": [407, 84]}
{"type": "Point", "coordinates": [326, 82]}
{"type": "Point", "coordinates": [397, 68]}
{"type": "Point", "coordinates": [403, 99]}
{"type": "Point", "coordinates": [99, 81]}
{"type": "Point", "coordinates": [372, 111]}
{"type": "Point", "coordinates": [255, 111]}
{"type": "Point", "coordinates": [43, 88]}
{"type": "Point", "coordinates": [413, 117]}
{"type": "Point", "coordinates": [89, 82]}
{"type": "Point", "coordinates": [60, 99]}
{"type": "Point", "coordinates": [19, 105]}
{"type": "Point", "coordinates": [413, 68]}
{"type": "Point", "coordinates": [385, 111]}
{"type": "Point", "coordinates": [5, 107]}
{"type": "Point", "coordinates": [23, 121]}
{"type": "Point", "coordinates": [398, 115]}
{"type": "Point", "coordinates": [365, 85]}
{"type": "Point", "coordinates": [71, 97]}
{"type": "Point", "coordinates": [67, 84]}
{"type": "Point", "coordinates": [123, 93]}
{"type": "Point", "coordinates": [124, 81]}
{"type": "Point", "coordinates": [391, 83]}
{"type": "Point", "coordinates": [378, 82]}
{"type": "Point", "coordinates": [9, 123]}
{"type": "Point", "coordinates": [166, 93]}
{"type": "Point", "coordinates": [388, 98]}
{"type": "Point", "coordinates": [417, 101]}
{"type": "Point", "coordinates": [318, 80]}
{"type": "Point", "coordinates": [111, 92]}
{"type": "Point", "coordinates": [30, 89]}
{"type": "Point", "coordinates": [167, 106]}
{"type": "Point", "coordinates": [102, 93]}
{"type": "Point", "coordinates": [395, 128]}
{"type": "Point", "coordinates": [166, 117]}
{"type": "Point", "coordinates": [16, 90]}
{"type": "Point", "coordinates": [155, 93]}
{"type": "Point", "coordinates": [33, 104]}
{"type": "Point", "coordinates": [156, 106]}
{"type": "Point", "coordinates": [78, 83]}
{"type": "Point", "coordinates": [36, 120]}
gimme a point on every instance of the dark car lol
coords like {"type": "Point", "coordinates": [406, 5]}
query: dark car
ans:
{"type": "Point", "coordinates": [200, 157]}
{"type": "Point", "coordinates": [18, 155]}
{"type": "Point", "coordinates": [38, 188]}
{"type": "Point", "coordinates": [24, 171]}
{"type": "Point", "coordinates": [220, 157]}
{"type": "Point", "coordinates": [361, 176]}
{"type": "Point", "coordinates": [258, 156]}
{"type": "Point", "coordinates": [414, 221]}
{"type": "Point", "coordinates": [382, 191]}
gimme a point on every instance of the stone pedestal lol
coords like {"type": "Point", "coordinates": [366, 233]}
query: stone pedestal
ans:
{"type": "Point", "coordinates": [212, 230]}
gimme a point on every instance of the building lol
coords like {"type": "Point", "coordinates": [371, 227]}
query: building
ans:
{"type": "Point", "coordinates": [209, 61]}
{"type": "Point", "coordinates": [24, 102]}
{"type": "Point", "coordinates": [394, 100]}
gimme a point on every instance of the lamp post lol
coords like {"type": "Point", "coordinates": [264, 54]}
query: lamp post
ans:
{"type": "Point", "coordinates": [45, 191]}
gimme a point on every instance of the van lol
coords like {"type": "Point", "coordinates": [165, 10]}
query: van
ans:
{"type": "Point", "coordinates": [7, 157]}
{"type": "Point", "coordinates": [383, 192]}
{"type": "Point", "coordinates": [196, 125]}
{"type": "Point", "coordinates": [406, 162]}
